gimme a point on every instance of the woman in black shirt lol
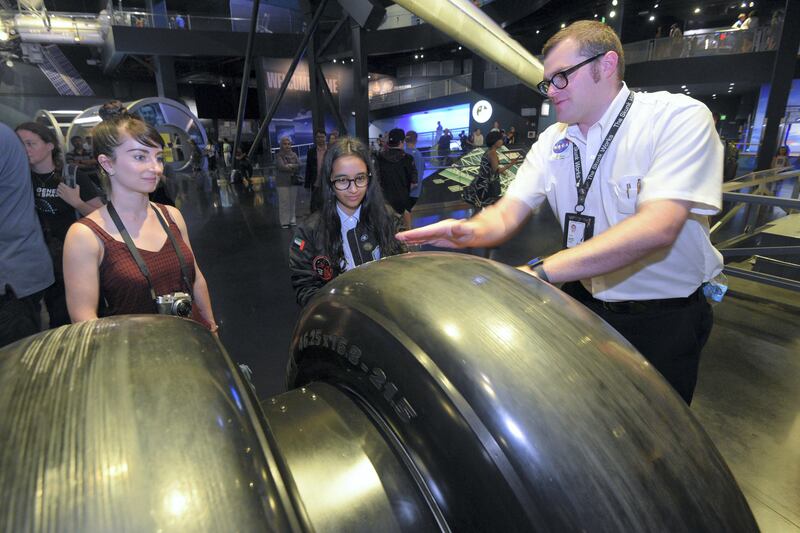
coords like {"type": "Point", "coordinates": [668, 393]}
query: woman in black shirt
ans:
{"type": "Point", "coordinates": [56, 205]}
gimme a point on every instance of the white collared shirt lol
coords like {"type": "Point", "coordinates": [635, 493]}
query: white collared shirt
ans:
{"type": "Point", "coordinates": [350, 222]}
{"type": "Point", "coordinates": [667, 148]}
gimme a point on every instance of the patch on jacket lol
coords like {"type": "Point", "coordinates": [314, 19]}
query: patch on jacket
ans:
{"type": "Point", "coordinates": [300, 243]}
{"type": "Point", "coordinates": [322, 266]}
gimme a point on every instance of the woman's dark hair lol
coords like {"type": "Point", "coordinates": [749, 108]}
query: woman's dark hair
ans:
{"type": "Point", "coordinates": [784, 147]}
{"type": "Point", "coordinates": [110, 133]}
{"type": "Point", "coordinates": [48, 136]}
{"type": "Point", "coordinates": [492, 137]}
{"type": "Point", "coordinates": [374, 214]}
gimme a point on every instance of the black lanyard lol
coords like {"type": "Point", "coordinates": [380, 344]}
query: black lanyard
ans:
{"type": "Point", "coordinates": [583, 184]}
{"type": "Point", "coordinates": [138, 257]}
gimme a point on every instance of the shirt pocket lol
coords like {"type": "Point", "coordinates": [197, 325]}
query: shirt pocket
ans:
{"type": "Point", "coordinates": [625, 193]}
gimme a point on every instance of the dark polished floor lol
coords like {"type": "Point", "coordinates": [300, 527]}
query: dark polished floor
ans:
{"type": "Point", "coordinates": [748, 395]}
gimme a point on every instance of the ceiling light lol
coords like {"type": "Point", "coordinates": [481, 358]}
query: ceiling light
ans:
{"type": "Point", "coordinates": [713, 96]}
{"type": "Point", "coordinates": [731, 84]}
{"type": "Point", "coordinates": [563, 25]}
{"type": "Point", "coordinates": [595, 15]}
{"type": "Point", "coordinates": [614, 2]}
{"type": "Point", "coordinates": [352, 59]}
{"type": "Point", "coordinates": [752, 4]}
{"type": "Point", "coordinates": [688, 92]}
{"type": "Point", "coordinates": [422, 55]}
{"type": "Point", "coordinates": [9, 63]}
{"type": "Point", "coordinates": [696, 10]}
{"type": "Point", "coordinates": [223, 84]}
{"type": "Point", "coordinates": [460, 47]}
{"type": "Point", "coordinates": [744, 4]}
{"type": "Point", "coordinates": [683, 86]}
{"type": "Point", "coordinates": [612, 14]}
{"type": "Point", "coordinates": [334, 60]}
{"type": "Point", "coordinates": [655, 6]}
{"type": "Point", "coordinates": [652, 18]}
{"type": "Point", "coordinates": [416, 56]}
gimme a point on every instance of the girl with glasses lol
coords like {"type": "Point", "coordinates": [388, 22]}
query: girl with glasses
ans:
{"type": "Point", "coordinates": [353, 227]}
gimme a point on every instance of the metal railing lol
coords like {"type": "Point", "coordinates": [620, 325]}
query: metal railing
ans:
{"type": "Point", "coordinates": [757, 208]}
{"type": "Point", "coordinates": [288, 22]}
{"type": "Point", "coordinates": [711, 42]}
{"type": "Point", "coordinates": [457, 85]}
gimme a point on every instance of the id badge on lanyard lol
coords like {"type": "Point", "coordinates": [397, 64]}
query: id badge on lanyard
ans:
{"type": "Point", "coordinates": [578, 227]}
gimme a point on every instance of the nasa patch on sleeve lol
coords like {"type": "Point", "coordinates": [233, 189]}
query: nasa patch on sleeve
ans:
{"type": "Point", "coordinates": [322, 266]}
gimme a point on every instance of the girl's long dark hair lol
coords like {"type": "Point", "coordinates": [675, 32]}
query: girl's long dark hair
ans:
{"type": "Point", "coordinates": [374, 215]}
{"type": "Point", "coordinates": [48, 136]}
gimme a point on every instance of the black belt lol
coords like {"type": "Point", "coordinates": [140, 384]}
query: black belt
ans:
{"type": "Point", "coordinates": [643, 306]}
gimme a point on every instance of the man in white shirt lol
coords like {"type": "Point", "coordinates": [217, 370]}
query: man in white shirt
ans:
{"type": "Point", "coordinates": [636, 246]}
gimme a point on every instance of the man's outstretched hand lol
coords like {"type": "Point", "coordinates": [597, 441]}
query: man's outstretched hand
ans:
{"type": "Point", "coordinates": [448, 233]}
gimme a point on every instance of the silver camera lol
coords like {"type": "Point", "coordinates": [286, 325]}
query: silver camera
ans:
{"type": "Point", "coordinates": [177, 303]}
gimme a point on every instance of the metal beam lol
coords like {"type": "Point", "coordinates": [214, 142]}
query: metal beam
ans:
{"type": "Point", "coordinates": [326, 92]}
{"type": "Point", "coordinates": [274, 105]}
{"type": "Point", "coordinates": [760, 250]}
{"type": "Point", "coordinates": [469, 26]}
{"type": "Point", "coordinates": [760, 199]}
{"type": "Point", "coordinates": [331, 35]}
{"type": "Point", "coordinates": [360, 81]}
{"type": "Point", "coordinates": [245, 83]}
{"type": "Point", "coordinates": [760, 277]}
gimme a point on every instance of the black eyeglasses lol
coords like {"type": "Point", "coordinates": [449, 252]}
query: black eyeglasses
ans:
{"type": "Point", "coordinates": [342, 184]}
{"type": "Point", "coordinates": [560, 80]}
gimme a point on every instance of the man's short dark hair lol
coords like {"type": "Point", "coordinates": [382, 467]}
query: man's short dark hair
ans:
{"type": "Point", "coordinates": [396, 136]}
{"type": "Point", "coordinates": [320, 132]}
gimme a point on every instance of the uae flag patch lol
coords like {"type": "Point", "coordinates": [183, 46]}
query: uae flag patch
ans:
{"type": "Point", "coordinates": [300, 243]}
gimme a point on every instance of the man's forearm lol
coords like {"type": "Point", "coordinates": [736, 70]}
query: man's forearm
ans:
{"type": "Point", "coordinates": [621, 245]}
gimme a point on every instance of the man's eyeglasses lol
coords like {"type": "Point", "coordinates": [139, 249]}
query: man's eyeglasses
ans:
{"type": "Point", "coordinates": [342, 184]}
{"type": "Point", "coordinates": [560, 80]}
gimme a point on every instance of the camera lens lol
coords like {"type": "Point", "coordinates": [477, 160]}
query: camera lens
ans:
{"type": "Point", "coordinates": [183, 307]}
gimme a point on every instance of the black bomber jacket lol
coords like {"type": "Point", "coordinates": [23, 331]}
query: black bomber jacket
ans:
{"type": "Point", "coordinates": [311, 268]}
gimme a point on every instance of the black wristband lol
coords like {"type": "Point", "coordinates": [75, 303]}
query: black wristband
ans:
{"type": "Point", "coordinates": [539, 271]}
{"type": "Point", "coordinates": [537, 266]}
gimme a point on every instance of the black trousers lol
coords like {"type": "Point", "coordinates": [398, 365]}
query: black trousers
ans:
{"type": "Point", "coordinates": [19, 317]}
{"type": "Point", "coordinates": [671, 339]}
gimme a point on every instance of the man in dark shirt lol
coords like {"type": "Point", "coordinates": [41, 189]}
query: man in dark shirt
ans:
{"type": "Point", "coordinates": [444, 148]}
{"type": "Point", "coordinates": [83, 159]}
{"type": "Point", "coordinates": [397, 172]}
{"type": "Point", "coordinates": [25, 265]}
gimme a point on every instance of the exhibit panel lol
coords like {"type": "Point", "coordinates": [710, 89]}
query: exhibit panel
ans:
{"type": "Point", "coordinates": [493, 402]}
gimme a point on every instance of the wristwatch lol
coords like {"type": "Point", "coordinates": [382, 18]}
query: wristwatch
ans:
{"type": "Point", "coordinates": [537, 266]}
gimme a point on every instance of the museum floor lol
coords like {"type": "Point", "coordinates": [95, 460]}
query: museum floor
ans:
{"type": "Point", "coordinates": [748, 396]}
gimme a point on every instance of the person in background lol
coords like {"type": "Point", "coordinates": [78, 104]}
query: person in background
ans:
{"type": "Point", "coordinates": [56, 203]}
{"type": "Point", "coordinates": [314, 159]}
{"type": "Point", "coordinates": [419, 164]}
{"type": "Point", "coordinates": [99, 267]}
{"type": "Point", "coordinates": [438, 132]}
{"type": "Point", "coordinates": [466, 146]}
{"type": "Point", "coordinates": [227, 152]}
{"type": "Point", "coordinates": [495, 126]}
{"type": "Point", "coordinates": [79, 156]}
{"type": "Point", "coordinates": [781, 159]}
{"type": "Point", "coordinates": [333, 136]}
{"type": "Point", "coordinates": [211, 153]}
{"type": "Point", "coordinates": [288, 168]}
{"type": "Point", "coordinates": [511, 136]}
{"type": "Point", "coordinates": [26, 268]}
{"type": "Point", "coordinates": [397, 173]}
{"type": "Point", "coordinates": [353, 227]}
{"type": "Point", "coordinates": [633, 178]}
{"type": "Point", "coordinates": [486, 188]}
{"type": "Point", "coordinates": [244, 166]}
{"type": "Point", "coordinates": [443, 148]}
{"type": "Point", "coordinates": [477, 138]}
{"type": "Point", "coordinates": [737, 25]}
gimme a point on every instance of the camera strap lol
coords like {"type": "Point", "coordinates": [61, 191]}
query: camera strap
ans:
{"type": "Point", "coordinates": [138, 257]}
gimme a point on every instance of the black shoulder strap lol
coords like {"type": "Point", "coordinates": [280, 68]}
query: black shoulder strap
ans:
{"type": "Point", "coordinates": [181, 259]}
